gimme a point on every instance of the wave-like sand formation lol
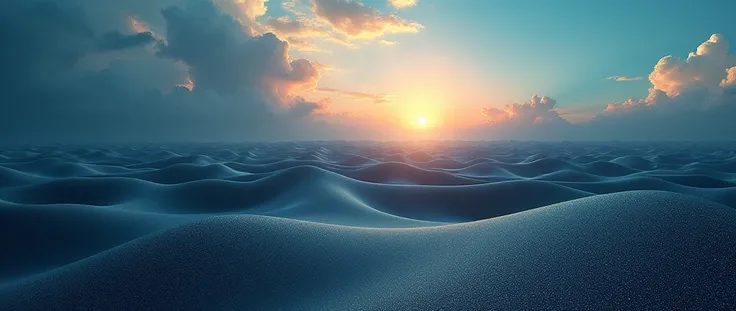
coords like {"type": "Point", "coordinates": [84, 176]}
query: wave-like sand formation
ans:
{"type": "Point", "coordinates": [369, 226]}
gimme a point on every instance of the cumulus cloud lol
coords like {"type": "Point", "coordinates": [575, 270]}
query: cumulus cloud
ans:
{"type": "Point", "coordinates": [703, 69]}
{"type": "Point", "coordinates": [730, 80]}
{"type": "Point", "coordinates": [623, 78]}
{"type": "Point", "coordinates": [626, 105]}
{"type": "Point", "coordinates": [335, 21]}
{"type": "Point", "coordinates": [698, 81]}
{"type": "Point", "coordinates": [252, 8]}
{"type": "Point", "coordinates": [222, 57]}
{"type": "Point", "coordinates": [355, 19]}
{"type": "Point", "coordinates": [301, 107]}
{"type": "Point", "coordinates": [538, 110]}
{"type": "Point", "coordinates": [400, 4]}
{"type": "Point", "coordinates": [104, 71]}
{"type": "Point", "coordinates": [690, 99]}
{"type": "Point", "coordinates": [232, 85]}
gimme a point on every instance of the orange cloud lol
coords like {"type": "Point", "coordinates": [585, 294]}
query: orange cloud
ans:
{"type": "Point", "coordinates": [138, 26]}
{"type": "Point", "coordinates": [625, 105]}
{"type": "Point", "coordinates": [703, 69]}
{"type": "Point", "coordinates": [303, 45]}
{"type": "Point", "coordinates": [376, 98]}
{"type": "Point", "coordinates": [322, 67]}
{"type": "Point", "coordinates": [252, 8]}
{"type": "Point", "coordinates": [707, 71]}
{"type": "Point", "coordinates": [355, 19]}
{"type": "Point", "coordinates": [303, 28]}
{"type": "Point", "coordinates": [400, 4]}
{"type": "Point", "coordinates": [730, 79]}
{"type": "Point", "coordinates": [189, 84]}
{"type": "Point", "coordinates": [537, 110]}
{"type": "Point", "coordinates": [286, 27]}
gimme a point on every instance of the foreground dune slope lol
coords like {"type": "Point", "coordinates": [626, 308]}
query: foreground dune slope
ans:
{"type": "Point", "coordinates": [627, 251]}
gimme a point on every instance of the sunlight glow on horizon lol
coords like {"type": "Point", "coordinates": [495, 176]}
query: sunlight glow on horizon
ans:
{"type": "Point", "coordinates": [422, 121]}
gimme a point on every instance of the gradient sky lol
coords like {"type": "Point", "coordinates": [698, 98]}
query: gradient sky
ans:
{"type": "Point", "coordinates": [222, 69]}
{"type": "Point", "coordinates": [498, 52]}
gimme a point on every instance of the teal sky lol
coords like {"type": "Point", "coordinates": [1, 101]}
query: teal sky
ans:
{"type": "Point", "coordinates": [496, 52]}
{"type": "Point", "coordinates": [234, 70]}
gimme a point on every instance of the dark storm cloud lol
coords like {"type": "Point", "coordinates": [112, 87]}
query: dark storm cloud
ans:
{"type": "Point", "coordinates": [223, 56]}
{"type": "Point", "coordinates": [114, 40]}
{"type": "Point", "coordinates": [243, 83]}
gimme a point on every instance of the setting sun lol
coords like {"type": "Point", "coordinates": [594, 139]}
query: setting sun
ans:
{"type": "Point", "coordinates": [422, 122]}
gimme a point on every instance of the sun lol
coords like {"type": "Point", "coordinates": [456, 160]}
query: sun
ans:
{"type": "Point", "coordinates": [421, 121]}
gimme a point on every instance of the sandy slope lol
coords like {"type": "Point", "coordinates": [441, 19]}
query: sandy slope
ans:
{"type": "Point", "coordinates": [633, 250]}
{"type": "Point", "coordinates": [345, 226]}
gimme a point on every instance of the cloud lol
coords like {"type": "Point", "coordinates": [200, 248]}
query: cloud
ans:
{"type": "Point", "coordinates": [400, 4]}
{"type": "Point", "coordinates": [336, 21]}
{"type": "Point", "coordinates": [703, 69]}
{"type": "Point", "coordinates": [233, 85]}
{"type": "Point", "coordinates": [113, 41]}
{"type": "Point", "coordinates": [286, 27]}
{"type": "Point", "coordinates": [536, 119]}
{"type": "Point", "coordinates": [251, 8]}
{"type": "Point", "coordinates": [623, 78]}
{"type": "Point", "coordinates": [301, 107]}
{"type": "Point", "coordinates": [303, 45]}
{"type": "Point", "coordinates": [138, 26]}
{"type": "Point", "coordinates": [376, 98]}
{"type": "Point", "coordinates": [730, 80]}
{"type": "Point", "coordinates": [698, 81]}
{"type": "Point", "coordinates": [538, 110]}
{"type": "Point", "coordinates": [89, 70]}
{"type": "Point", "coordinates": [303, 28]}
{"type": "Point", "coordinates": [626, 105]}
{"type": "Point", "coordinates": [691, 99]}
{"type": "Point", "coordinates": [387, 42]}
{"type": "Point", "coordinates": [355, 19]}
{"type": "Point", "coordinates": [224, 58]}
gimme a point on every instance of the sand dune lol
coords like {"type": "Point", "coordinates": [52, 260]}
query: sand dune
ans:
{"type": "Point", "coordinates": [369, 226]}
{"type": "Point", "coordinates": [592, 253]}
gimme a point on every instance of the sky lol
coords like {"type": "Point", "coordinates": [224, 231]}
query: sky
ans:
{"type": "Point", "coordinates": [244, 70]}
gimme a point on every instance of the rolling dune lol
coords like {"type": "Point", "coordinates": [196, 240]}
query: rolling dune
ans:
{"type": "Point", "coordinates": [369, 226]}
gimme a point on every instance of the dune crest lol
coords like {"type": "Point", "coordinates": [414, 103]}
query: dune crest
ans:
{"type": "Point", "coordinates": [368, 226]}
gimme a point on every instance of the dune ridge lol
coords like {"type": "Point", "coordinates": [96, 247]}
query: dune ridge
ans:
{"type": "Point", "coordinates": [369, 226]}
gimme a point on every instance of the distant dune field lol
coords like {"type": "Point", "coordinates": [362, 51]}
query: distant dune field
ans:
{"type": "Point", "coordinates": [369, 226]}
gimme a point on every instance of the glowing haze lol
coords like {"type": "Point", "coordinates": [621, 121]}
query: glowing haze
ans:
{"type": "Point", "coordinates": [236, 70]}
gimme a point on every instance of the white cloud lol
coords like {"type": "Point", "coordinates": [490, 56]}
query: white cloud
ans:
{"type": "Point", "coordinates": [538, 110]}
{"type": "Point", "coordinates": [699, 80]}
{"type": "Point", "coordinates": [400, 4]}
{"type": "Point", "coordinates": [703, 69]}
{"type": "Point", "coordinates": [730, 80]}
